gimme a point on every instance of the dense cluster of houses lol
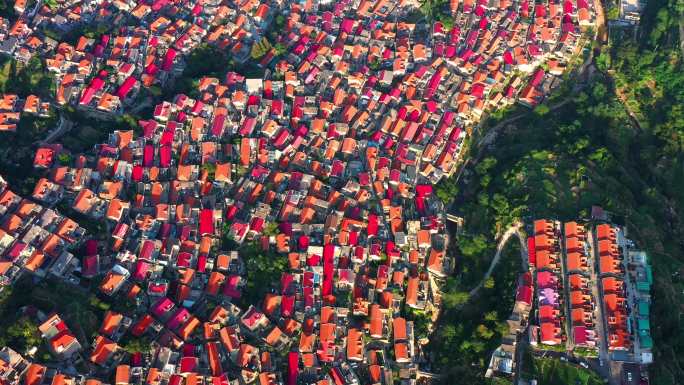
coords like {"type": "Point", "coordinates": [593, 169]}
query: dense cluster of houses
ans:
{"type": "Point", "coordinates": [545, 254]}
{"type": "Point", "coordinates": [565, 280]}
{"type": "Point", "coordinates": [626, 280]}
{"type": "Point", "coordinates": [492, 56]}
{"type": "Point", "coordinates": [585, 297]}
{"type": "Point", "coordinates": [578, 272]}
{"type": "Point", "coordinates": [34, 239]}
{"type": "Point", "coordinates": [588, 291]}
{"type": "Point", "coordinates": [329, 163]}
{"type": "Point", "coordinates": [60, 340]}
{"type": "Point", "coordinates": [145, 45]}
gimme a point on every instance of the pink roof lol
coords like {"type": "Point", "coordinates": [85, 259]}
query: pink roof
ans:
{"type": "Point", "coordinates": [508, 58]}
{"type": "Point", "coordinates": [328, 269]}
{"type": "Point", "coordinates": [524, 294]}
{"type": "Point", "coordinates": [285, 282]}
{"type": "Point", "coordinates": [438, 27]}
{"type": "Point", "coordinates": [277, 107]}
{"type": "Point", "coordinates": [92, 89]}
{"type": "Point", "coordinates": [161, 307]}
{"type": "Point", "coordinates": [141, 269]}
{"type": "Point", "coordinates": [148, 155]}
{"type": "Point", "coordinates": [159, 4]}
{"type": "Point", "coordinates": [287, 305]}
{"type": "Point", "coordinates": [126, 87]}
{"type": "Point", "coordinates": [281, 138]}
{"type": "Point", "coordinates": [183, 259]}
{"type": "Point", "coordinates": [292, 368]}
{"type": "Point", "coordinates": [531, 251]}
{"type": "Point", "coordinates": [16, 250]}
{"type": "Point", "coordinates": [231, 286]}
{"type": "Point", "coordinates": [181, 316]}
{"type": "Point", "coordinates": [230, 212]}
{"type": "Point", "coordinates": [257, 224]}
{"type": "Point", "coordinates": [175, 379]}
{"type": "Point", "coordinates": [148, 126]}
{"type": "Point", "coordinates": [167, 135]}
{"type": "Point", "coordinates": [202, 263]}
{"type": "Point", "coordinates": [303, 242]}
{"type": "Point", "coordinates": [165, 156]}
{"type": "Point", "coordinates": [151, 69]}
{"type": "Point", "coordinates": [188, 364]}
{"type": "Point", "coordinates": [253, 100]}
{"type": "Point", "coordinates": [247, 126]}
{"type": "Point", "coordinates": [206, 222]}
{"type": "Point", "coordinates": [217, 125]}
{"type": "Point", "coordinates": [537, 77]}
{"type": "Point", "coordinates": [137, 173]}
{"type": "Point", "coordinates": [347, 25]}
{"type": "Point", "coordinates": [423, 190]}
{"type": "Point", "coordinates": [580, 334]}
{"type": "Point", "coordinates": [251, 317]}
{"type": "Point", "coordinates": [568, 7]}
{"type": "Point", "coordinates": [477, 90]}
{"type": "Point", "coordinates": [146, 250]}
{"type": "Point", "coordinates": [545, 279]}
{"type": "Point", "coordinates": [313, 260]}
{"type": "Point", "coordinates": [91, 247]}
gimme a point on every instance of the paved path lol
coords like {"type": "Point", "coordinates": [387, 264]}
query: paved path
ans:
{"type": "Point", "coordinates": [515, 229]}
{"type": "Point", "coordinates": [63, 127]}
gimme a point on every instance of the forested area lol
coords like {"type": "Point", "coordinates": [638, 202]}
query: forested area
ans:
{"type": "Point", "coordinates": [619, 144]}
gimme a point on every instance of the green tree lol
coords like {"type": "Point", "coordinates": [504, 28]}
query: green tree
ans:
{"type": "Point", "coordinates": [21, 335]}
{"type": "Point", "coordinates": [64, 159]}
{"type": "Point", "coordinates": [541, 110]}
{"type": "Point", "coordinates": [455, 299]}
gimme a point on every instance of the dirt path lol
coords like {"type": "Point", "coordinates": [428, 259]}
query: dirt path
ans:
{"type": "Point", "coordinates": [515, 229]}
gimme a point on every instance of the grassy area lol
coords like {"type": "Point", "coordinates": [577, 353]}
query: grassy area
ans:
{"type": "Point", "coordinates": [550, 371]}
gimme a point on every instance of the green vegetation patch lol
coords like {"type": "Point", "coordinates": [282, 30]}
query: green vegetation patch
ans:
{"type": "Point", "coordinates": [619, 144]}
{"type": "Point", "coordinates": [264, 270]}
{"type": "Point", "coordinates": [469, 329]}
{"type": "Point", "coordinates": [26, 79]}
{"type": "Point", "coordinates": [83, 312]}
